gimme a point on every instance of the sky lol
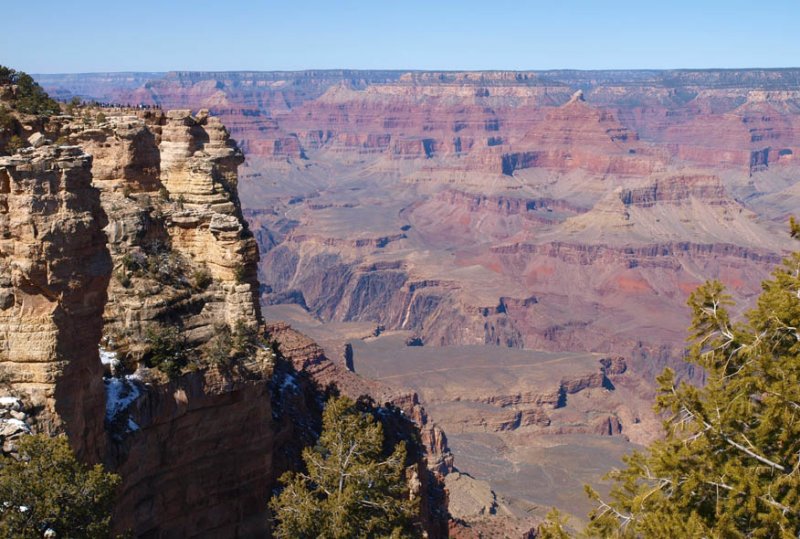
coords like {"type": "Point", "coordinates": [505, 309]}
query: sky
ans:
{"type": "Point", "coordinates": [48, 36]}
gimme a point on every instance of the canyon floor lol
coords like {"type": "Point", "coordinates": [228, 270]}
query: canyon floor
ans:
{"type": "Point", "coordinates": [500, 409]}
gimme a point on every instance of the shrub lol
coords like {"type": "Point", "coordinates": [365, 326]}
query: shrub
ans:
{"type": "Point", "coordinates": [6, 120]}
{"type": "Point", "coordinates": [122, 277]}
{"type": "Point", "coordinates": [201, 278]}
{"type": "Point", "coordinates": [56, 491]}
{"type": "Point", "coordinates": [6, 75]}
{"type": "Point", "coordinates": [168, 350]}
{"type": "Point", "coordinates": [246, 339]}
{"type": "Point", "coordinates": [30, 97]}
{"type": "Point", "coordinates": [167, 267]}
{"type": "Point", "coordinates": [15, 143]}
{"type": "Point", "coordinates": [220, 349]}
{"type": "Point", "coordinates": [73, 104]}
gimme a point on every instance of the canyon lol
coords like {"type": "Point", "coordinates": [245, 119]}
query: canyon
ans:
{"type": "Point", "coordinates": [512, 250]}
{"type": "Point", "coordinates": [122, 233]}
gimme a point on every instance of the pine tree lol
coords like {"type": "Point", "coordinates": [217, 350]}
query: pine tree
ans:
{"type": "Point", "coordinates": [30, 97]}
{"type": "Point", "coordinates": [553, 526]}
{"type": "Point", "coordinates": [351, 488]}
{"type": "Point", "coordinates": [46, 488]}
{"type": "Point", "coordinates": [729, 465]}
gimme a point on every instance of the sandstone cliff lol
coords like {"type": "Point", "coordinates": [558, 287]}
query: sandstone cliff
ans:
{"type": "Point", "coordinates": [127, 230]}
{"type": "Point", "coordinates": [55, 272]}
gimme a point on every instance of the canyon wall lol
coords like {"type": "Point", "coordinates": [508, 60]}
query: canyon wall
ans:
{"type": "Point", "coordinates": [55, 271]}
{"type": "Point", "coordinates": [126, 235]}
{"type": "Point", "coordinates": [489, 179]}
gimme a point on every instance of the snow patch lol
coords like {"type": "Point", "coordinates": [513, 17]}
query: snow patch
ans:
{"type": "Point", "coordinates": [7, 402]}
{"type": "Point", "coordinates": [289, 383]}
{"type": "Point", "coordinates": [107, 357]}
{"type": "Point", "coordinates": [20, 425]}
{"type": "Point", "coordinates": [120, 394]}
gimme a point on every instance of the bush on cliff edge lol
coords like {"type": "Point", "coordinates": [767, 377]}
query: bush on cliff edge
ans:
{"type": "Point", "coordinates": [729, 465]}
{"type": "Point", "coordinates": [46, 488]}
{"type": "Point", "coordinates": [352, 488]}
{"type": "Point", "coordinates": [30, 97]}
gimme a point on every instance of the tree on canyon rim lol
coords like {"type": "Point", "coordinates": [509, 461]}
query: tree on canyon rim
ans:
{"type": "Point", "coordinates": [729, 465]}
{"type": "Point", "coordinates": [30, 97]}
{"type": "Point", "coordinates": [352, 488]}
{"type": "Point", "coordinates": [45, 488]}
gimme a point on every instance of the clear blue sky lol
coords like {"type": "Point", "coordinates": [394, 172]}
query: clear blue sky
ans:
{"type": "Point", "coordinates": [48, 36]}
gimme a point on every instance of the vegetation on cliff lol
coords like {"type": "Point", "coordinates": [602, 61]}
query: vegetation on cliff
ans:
{"type": "Point", "coordinates": [30, 98]}
{"type": "Point", "coordinates": [730, 463]}
{"type": "Point", "coordinates": [20, 95]}
{"type": "Point", "coordinates": [352, 488]}
{"type": "Point", "coordinates": [46, 488]}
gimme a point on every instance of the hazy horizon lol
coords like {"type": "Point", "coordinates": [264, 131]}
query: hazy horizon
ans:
{"type": "Point", "coordinates": [411, 70]}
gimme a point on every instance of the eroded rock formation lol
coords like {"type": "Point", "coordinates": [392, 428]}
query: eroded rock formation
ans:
{"type": "Point", "coordinates": [55, 273]}
{"type": "Point", "coordinates": [132, 224]}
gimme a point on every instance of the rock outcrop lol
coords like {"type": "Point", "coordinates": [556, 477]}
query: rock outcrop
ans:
{"type": "Point", "coordinates": [130, 226]}
{"type": "Point", "coordinates": [55, 274]}
{"type": "Point", "coordinates": [169, 184]}
{"type": "Point", "coordinates": [71, 216]}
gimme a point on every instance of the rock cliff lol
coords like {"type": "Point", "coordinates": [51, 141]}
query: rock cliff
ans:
{"type": "Point", "coordinates": [126, 236]}
{"type": "Point", "coordinates": [55, 273]}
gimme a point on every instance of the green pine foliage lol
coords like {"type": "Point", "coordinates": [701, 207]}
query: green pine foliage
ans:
{"type": "Point", "coordinates": [730, 463]}
{"type": "Point", "coordinates": [168, 350]}
{"type": "Point", "coordinates": [553, 526]}
{"type": "Point", "coordinates": [48, 489]}
{"type": "Point", "coordinates": [352, 488]}
{"type": "Point", "coordinates": [30, 97]}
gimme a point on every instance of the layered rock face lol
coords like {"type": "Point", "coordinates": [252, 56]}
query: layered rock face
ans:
{"type": "Point", "coordinates": [169, 185]}
{"type": "Point", "coordinates": [55, 272]}
{"type": "Point", "coordinates": [134, 227]}
{"type": "Point", "coordinates": [72, 216]}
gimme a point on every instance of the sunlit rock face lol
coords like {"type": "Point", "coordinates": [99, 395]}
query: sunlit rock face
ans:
{"type": "Point", "coordinates": [129, 223]}
{"type": "Point", "coordinates": [55, 272]}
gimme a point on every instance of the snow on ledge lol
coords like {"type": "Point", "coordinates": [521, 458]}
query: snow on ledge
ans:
{"type": "Point", "coordinates": [120, 394]}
